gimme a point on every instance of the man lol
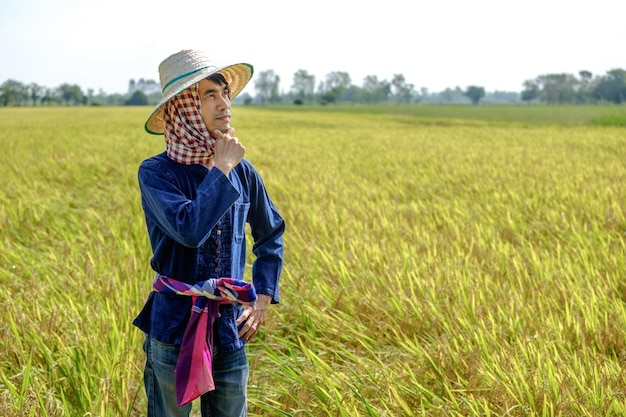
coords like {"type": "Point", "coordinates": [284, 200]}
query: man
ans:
{"type": "Point", "coordinates": [197, 197]}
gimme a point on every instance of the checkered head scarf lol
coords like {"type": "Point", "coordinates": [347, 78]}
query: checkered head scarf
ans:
{"type": "Point", "coordinates": [187, 138]}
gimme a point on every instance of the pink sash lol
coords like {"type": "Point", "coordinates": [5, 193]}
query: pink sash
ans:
{"type": "Point", "coordinates": [194, 375]}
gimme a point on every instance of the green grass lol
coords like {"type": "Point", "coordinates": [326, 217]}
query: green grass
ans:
{"type": "Point", "coordinates": [522, 114]}
{"type": "Point", "coordinates": [440, 261]}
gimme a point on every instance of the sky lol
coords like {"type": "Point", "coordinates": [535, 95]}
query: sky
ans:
{"type": "Point", "coordinates": [434, 44]}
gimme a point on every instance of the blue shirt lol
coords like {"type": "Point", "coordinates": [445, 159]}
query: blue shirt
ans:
{"type": "Point", "coordinates": [196, 221]}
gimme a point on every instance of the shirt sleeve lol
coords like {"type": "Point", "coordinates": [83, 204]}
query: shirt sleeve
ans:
{"type": "Point", "coordinates": [267, 227]}
{"type": "Point", "coordinates": [186, 220]}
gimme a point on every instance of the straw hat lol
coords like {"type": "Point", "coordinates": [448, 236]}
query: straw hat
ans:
{"type": "Point", "coordinates": [185, 68]}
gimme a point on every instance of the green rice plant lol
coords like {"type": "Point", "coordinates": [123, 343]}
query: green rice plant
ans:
{"type": "Point", "coordinates": [440, 261]}
{"type": "Point", "coordinates": [610, 120]}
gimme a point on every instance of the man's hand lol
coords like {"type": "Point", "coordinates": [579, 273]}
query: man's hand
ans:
{"type": "Point", "coordinates": [228, 150]}
{"type": "Point", "coordinates": [253, 317]}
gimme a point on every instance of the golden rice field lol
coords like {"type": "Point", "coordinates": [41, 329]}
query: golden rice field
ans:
{"type": "Point", "coordinates": [440, 261]}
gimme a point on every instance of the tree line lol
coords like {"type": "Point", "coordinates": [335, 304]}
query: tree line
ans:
{"type": "Point", "coordinates": [16, 93]}
{"type": "Point", "coordinates": [337, 87]}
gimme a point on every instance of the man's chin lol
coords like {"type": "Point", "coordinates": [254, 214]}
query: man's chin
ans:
{"type": "Point", "coordinates": [223, 127]}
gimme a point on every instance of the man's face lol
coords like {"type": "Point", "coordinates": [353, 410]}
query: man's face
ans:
{"type": "Point", "coordinates": [215, 102]}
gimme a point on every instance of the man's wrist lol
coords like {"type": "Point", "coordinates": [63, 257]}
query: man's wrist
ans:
{"type": "Point", "coordinates": [263, 301]}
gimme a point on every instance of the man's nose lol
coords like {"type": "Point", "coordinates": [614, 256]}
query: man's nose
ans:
{"type": "Point", "coordinates": [224, 102]}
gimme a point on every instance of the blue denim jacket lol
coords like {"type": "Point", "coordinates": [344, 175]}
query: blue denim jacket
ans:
{"type": "Point", "coordinates": [184, 205]}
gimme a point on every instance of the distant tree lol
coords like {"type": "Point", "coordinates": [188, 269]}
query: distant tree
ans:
{"type": "Point", "coordinates": [531, 91]}
{"type": "Point", "coordinates": [502, 96]}
{"type": "Point", "coordinates": [138, 98]}
{"type": "Point", "coordinates": [71, 94]}
{"type": "Point", "coordinates": [89, 96]}
{"type": "Point", "coordinates": [335, 87]}
{"type": "Point", "coordinates": [557, 88]}
{"type": "Point", "coordinates": [375, 91]}
{"type": "Point", "coordinates": [401, 90]}
{"type": "Point", "coordinates": [611, 87]}
{"type": "Point", "coordinates": [449, 95]}
{"type": "Point", "coordinates": [303, 85]}
{"type": "Point", "coordinates": [13, 92]}
{"type": "Point", "coordinates": [266, 86]}
{"type": "Point", "coordinates": [328, 98]}
{"type": "Point", "coordinates": [115, 99]}
{"type": "Point", "coordinates": [244, 98]}
{"type": "Point", "coordinates": [353, 94]}
{"type": "Point", "coordinates": [422, 95]}
{"type": "Point", "coordinates": [35, 92]}
{"type": "Point", "coordinates": [98, 99]}
{"type": "Point", "coordinates": [474, 93]}
{"type": "Point", "coordinates": [584, 93]}
{"type": "Point", "coordinates": [50, 96]}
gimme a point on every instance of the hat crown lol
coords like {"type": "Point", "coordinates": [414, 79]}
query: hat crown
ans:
{"type": "Point", "coordinates": [181, 70]}
{"type": "Point", "coordinates": [178, 67]}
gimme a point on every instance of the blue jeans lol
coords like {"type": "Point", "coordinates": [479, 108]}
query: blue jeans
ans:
{"type": "Point", "coordinates": [230, 374]}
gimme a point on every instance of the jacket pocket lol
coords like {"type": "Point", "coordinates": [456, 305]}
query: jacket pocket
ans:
{"type": "Point", "coordinates": [227, 330]}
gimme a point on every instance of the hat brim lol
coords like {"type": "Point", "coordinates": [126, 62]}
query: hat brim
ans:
{"type": "Point", "coordinates": [237, 76]}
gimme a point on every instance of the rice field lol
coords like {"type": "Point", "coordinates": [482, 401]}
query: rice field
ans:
{"type": "Point", "coordinates": [440, 261]}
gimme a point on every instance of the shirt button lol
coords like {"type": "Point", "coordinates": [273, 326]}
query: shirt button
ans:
{"type": "Point", "coordinates": [217, 261]}
{"type": "Point", "coordinates": [217, 242]}
{"type": "Point", "coordinates": [218, 223]}
{"type": "Point", "coordinates": [217, 251]}
{"type": "Point", "coordinates": [219, 232]}
{"type": "Point", "coordinates": [217, 270]}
